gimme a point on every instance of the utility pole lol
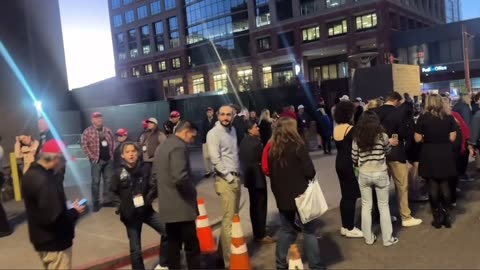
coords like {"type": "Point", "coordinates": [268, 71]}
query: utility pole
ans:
{"type": "Point", "coordinates": [466, 58]}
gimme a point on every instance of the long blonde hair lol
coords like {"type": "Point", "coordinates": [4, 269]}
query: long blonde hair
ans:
{"type": "Point", "coordinates": [285, 133]}
{"type": "Point", "coordinates": [373, 104]}
{"type": "Point", "coordinates": [265, 116]}
{"type": "Point", "coordinates": [435, 105]}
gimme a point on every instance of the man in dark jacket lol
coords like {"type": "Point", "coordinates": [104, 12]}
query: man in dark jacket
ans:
{"type": "Point", "coordinates": [208, 123]}
{"type": "Point", "coordinates": [150, 140]}
{"type": "Point", "coordinates": [392, 120]}
{"type": "Point", "coordinates": [171, 124]}
{"type": "Point", "coordinates": [51, 224]}
{"type": "Point", "coordinates": [133, 184]}
{"type": "Point", "coordinates": [463, 108]}
{"type": "Point", "coordinates": [250, 155]}
{"type": "Point", "coordinates": [177, 196]}
{"type": "Point", "coordinates": [238, 124]}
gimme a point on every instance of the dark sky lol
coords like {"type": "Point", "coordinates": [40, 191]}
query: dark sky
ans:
{"type": "Point", "coordinates": [88, 43]}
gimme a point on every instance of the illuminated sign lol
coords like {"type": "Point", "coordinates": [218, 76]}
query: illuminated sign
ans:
{"type": "Point", "coordinates": [433, 69]}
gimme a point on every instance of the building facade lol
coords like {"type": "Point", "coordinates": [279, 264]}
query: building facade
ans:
{"type": "Point", "coordinates": [197, 46]}
{"type": "Point", "coordinates": [453, 10]}
{"type": "Point", "coordinates": [439, 51]}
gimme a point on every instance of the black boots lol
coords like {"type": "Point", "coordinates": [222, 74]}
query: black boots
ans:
{"type": "Point", "coordinates": [447, 219]}
{"type": "Point", "coordinates": [441, 217]}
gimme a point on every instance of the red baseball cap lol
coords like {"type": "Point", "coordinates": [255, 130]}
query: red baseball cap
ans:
{"type": "Point", "coordinates": [53, 147]}
{"type": "Point", "coordinates": [96, 114]}
{"type": "Point", "coordinates": [209, 109]}
{"type": "Point", "coordinates": [174, 114]}
{"type": "Point", "coordinates": [122, 132]}
{"type": "Point", "coordinates": [145, 123]}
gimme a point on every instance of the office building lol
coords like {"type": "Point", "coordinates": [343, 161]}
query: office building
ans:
{"type": "Point", "coordinates": [196, 46]}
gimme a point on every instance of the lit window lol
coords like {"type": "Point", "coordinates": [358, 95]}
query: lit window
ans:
{"type": "Point", "coordinates": [155, 7]}
{"type": "Point", "coordinates": [123, 73]}
{"type": "Point", "coordinates": [263, 44]}
{"type": "Point", "coordinates": [129, 16]}
{"type": "Point", "coordinates": [148, 68]}
{"type": "Point", "coordinates": [337, 28]}
{"type": "Point", "coordinates": [126, 2]}
{"type": "Point", "coordinates": [162, 65]}
{"type": "Point", "coordinates": [267, 77]}
{"type": "Point", "coordinates": [174, 39]}
{"type": "Point", "coordinates": [120, 45]}
{"type": "Point", "coordinates": [142, 12]}
{"type": "Point", "coordinates": [311, 34]}
{"type": "Point", "coordinates": [117, 20]}
{"type": "Point", "coordinates": [135, 72]}
{"type": "Point", "coordinates": [132, 43]}
{"type": "Point", "coordinates": [366, 21]}
{"type": "Point", "coordinates": [281, 78]}
{"type": "Point", "coordinates": [245, 79]}
{"type": "Point", "coordinates": [332, 71]}
{"type": "Point", "coordinates": [220, 82]}
{"type": "Point", "coordinates": [335, 3]}
{"type": "Point", "coordinates": [262, 15]}
{"type": "Point", "coordinates": [145, 37]}
{"type": "Point", "coordinates": [116, 4]}
{"type": "Point", "coordinates": [198, 84]}
{"type": "Point", "coordinates": [159, 39]}
{"type": "Point", "coordinates": [176, 63]}
{"type": "Point", "coordinates": [169, 4]}
{"type": "Point", "coordinates": [173, 87]}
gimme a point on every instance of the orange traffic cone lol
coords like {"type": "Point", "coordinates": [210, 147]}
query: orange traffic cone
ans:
{"type": "Point", "coordinates": [238, 251]}
{"type": "Point", "coordinates": [204, 231]}
{"type": "Point", "coordinates": [294, 258]}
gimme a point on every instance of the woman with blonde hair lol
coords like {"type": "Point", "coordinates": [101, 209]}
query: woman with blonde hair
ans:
{"type": "Point", "coordinates": [25, 149]}
{"type": "Point", "coordinates": [373, 104]}
{"type": "Point", "coordinates": [265, 125]}
{"type": "Point", "coordinates": [436, 130]}
{"type": "Point", "coordinates": [291, 168]}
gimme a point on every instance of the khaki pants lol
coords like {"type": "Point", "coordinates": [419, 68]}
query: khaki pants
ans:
{"type": "Point", "coordinates": [56, 259]}
{"type": "Point", "coordinates": [206, 159]}
{"type": "Point", "coordinates": [230, 196]}
{"type": "Point", "coordinates": [399, 173]}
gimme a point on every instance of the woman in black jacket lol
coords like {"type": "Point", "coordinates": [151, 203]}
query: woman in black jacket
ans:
{"type": "Point", "coordinates": [291, 168]}
{"type": "Point", "coordinates": [136, 189]}
{"type": "Point", "coordinates": [250, 158]}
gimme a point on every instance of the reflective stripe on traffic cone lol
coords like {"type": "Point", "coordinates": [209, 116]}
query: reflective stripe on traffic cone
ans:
{"type": "Point", "coordinates": [294, 258]}
{"type": "Point", "coordinates": [204, 231]}
{"type": "Point", "coordinates": [239, 254]}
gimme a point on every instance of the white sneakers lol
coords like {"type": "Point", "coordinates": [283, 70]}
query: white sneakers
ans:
{"type": "Point", "coordinates": [411, 222]}
{"type": "Point", "coordinates": [353, 233]}
{"type": "Point", "coordinates": [159, 267]}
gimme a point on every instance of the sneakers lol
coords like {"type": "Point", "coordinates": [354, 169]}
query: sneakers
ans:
{"type": "Point", "coordinates": [391, 242]}
{"type": "Point", "coordinates": [411, 222]}
{"type": "Point", "coordinates": [353, 233]}
{"type": "Point", "coordinates": [159, 267]}
{"type": "Point", "coordinates": [373, 242]}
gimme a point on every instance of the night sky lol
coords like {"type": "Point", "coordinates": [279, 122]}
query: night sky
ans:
{"type": "Point", "coordinates": [88, 42]}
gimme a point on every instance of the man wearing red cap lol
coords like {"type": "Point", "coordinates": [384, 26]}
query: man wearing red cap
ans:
{"type": "Point", "coordinates": [171, 124]}
{"type": "Point", "coordinates": [51, 224]}
{"type": "Point", "coordinates": [122, 136]}
{"type": "Point", "coordinates": [98, 146]}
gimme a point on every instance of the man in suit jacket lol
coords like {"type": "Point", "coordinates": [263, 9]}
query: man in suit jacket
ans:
{"type": "Point", "coordinates": [177, 196]}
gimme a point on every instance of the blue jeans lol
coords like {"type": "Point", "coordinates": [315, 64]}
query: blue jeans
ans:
{"type": "Point", "coordinates": [379, 181]}
{"type": "Point", "coordinates": [287, 236]}
{"type": "Point", "coordinates": [102, 169]}
{"type": "Point", "coordinates": [134, 232]}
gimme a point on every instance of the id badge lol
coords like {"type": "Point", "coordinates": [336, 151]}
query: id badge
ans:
{"type": "Point", "coordinates": [144, 148]}
{"type": "Point", "coordinates": [138, 201]}
{"type": "Point", "coordinates": [104, 143]}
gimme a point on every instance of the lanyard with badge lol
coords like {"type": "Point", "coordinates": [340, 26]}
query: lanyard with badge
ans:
{"type": "Point", "coordinates": [103, 139]}
{"type": "Point", "coordinates": [137, 196]}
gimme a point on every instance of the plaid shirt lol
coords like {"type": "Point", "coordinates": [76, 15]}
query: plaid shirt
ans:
{"type": "Point", "coordinates": [91, 143]}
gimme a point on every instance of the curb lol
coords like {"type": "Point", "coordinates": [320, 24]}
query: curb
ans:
{"type": "Point", "coordinates": [118, 261]}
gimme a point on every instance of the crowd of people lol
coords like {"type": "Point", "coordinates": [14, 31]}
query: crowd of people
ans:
{"type": "Point", "coordinates": [397, 138]}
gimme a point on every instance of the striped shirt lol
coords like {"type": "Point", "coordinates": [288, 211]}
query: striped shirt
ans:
{"type": "Point", "coordinates": [373, 160]}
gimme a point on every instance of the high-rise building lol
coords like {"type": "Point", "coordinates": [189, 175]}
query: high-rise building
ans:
{"type": "Point", "coordinates": [195, 46]}
{"type": "Point", "coordinates": [453, 10]}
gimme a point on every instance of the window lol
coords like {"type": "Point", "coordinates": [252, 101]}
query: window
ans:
{"type": "Point", "coordinates": [174, 35]}
{"type": "Point", "coordinates": [132, 43]}
{"type": "Point", "coordinates": [162, 65]}
{"type": "Point", "coordinates": [117, 20]}
{"type": "Point", "coordinates": [173, 23]}
{"type": "Point", "coordinates": [311, 34]}
{"type": "Point", "coordinates": [267, 77]}
{"type": "Point", "coordinates": [126, 2]}
{"type": "Point", "coordinates": [337, 28]}
{"type": "Point", "coordinates": [142, 12]}
{"type": "Point", "coordinates": [155, 7]}
{"type": "Point", "coordinates": [284, 9]}
{"type": "Point", "coordinates": [198, 84]}
{"type": "Point", "coordinates": [335, 3]}
{"type": "Point", "coordinates": [262, 15]}
{"type": "Point", "coordinates": [159, 40]}
{"type": "Point", "coordinates": [220, 82]}
{"type": "Point", "coordinates": [169, 4]}
{"type": "Point", "coordinates": [120, 45]}
{"type": "Point", "coordinates": [286, 39]}
{"type": "Point", "coordinates": [116, 4]}
{"type": "Point", "coordinates": [366, 21]}
{"type": "Point", "coordinates": [343, 70]}
{"type": "Point", "coordinates": [145, 37]}
{"type": "Point", "coordinates": [307, 7]}
{"type": "Point", "coordinates": [129, 16]}
{"type": "Point", "coordinates": [281, 78]}
{"type": "Point", "coordinates": [331, 71]}
{"type": "Point", "coordinates": [123, 73]}
{"type": "Point", "coordinates": [173, 87]}
{"type": "Point", "coordinates": [245, 79]}
{"type": "Point", "coordinates": [176, 63]}
{"type": "Point", "coordinates": [263, 44]}
{"type": "Point", "coordinates": [135, 72]}
{"type": "Point", "coordinates": [148, 68]}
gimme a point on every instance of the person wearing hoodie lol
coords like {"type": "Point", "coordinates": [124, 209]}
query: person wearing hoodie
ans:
{"type": "Point", "coordinates": [150, 140]}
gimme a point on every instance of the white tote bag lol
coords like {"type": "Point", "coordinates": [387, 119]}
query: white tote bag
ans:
{"type": "Point", "coordinates": [311, 204]}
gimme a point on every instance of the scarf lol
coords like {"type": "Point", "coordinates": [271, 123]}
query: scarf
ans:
{"type": "Point", "coordinates": [465, 130]}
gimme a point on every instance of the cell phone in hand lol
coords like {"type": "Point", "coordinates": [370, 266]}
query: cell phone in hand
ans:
{"type": "Point", "coordinates": [83, 202]}
{"type": "Point", "coordinates": [395, 136]}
